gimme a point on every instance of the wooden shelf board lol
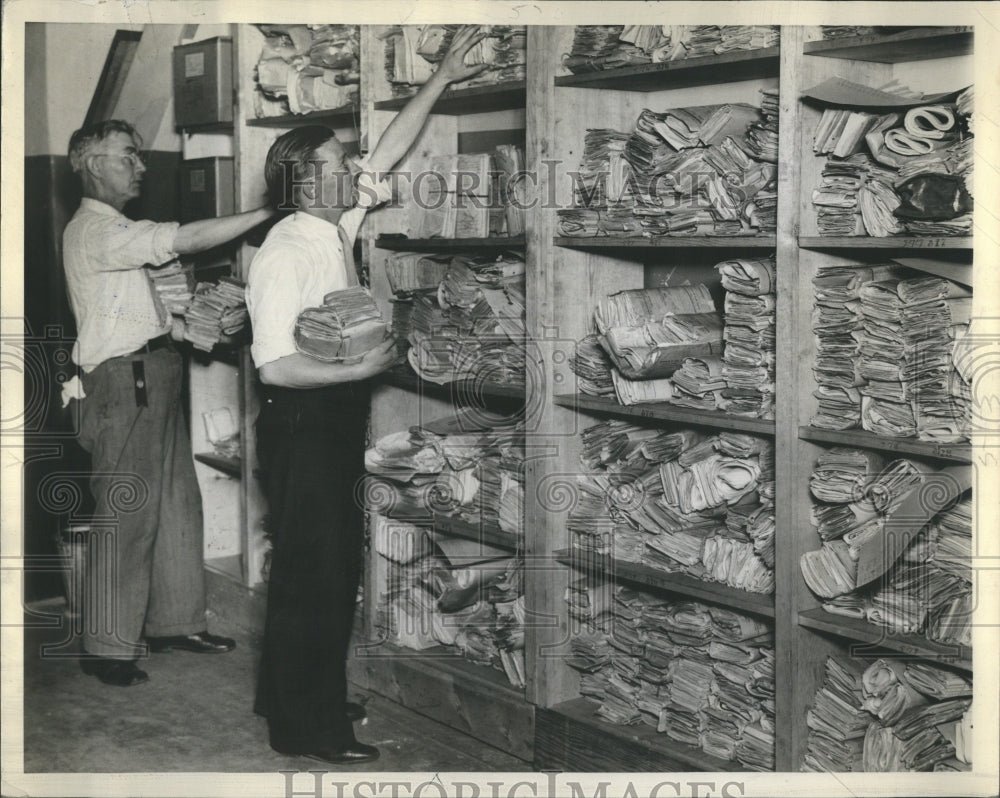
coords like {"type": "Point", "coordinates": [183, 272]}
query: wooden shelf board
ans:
{"type": "Point", "coordinates": [901, 243]}
{"type": "Point", "coordinates": [206, 127]}
{"type": "Point", "coordinates": [957, 452]}
{"type": "Point", "coordinates": [473, 100]}
{"type": "Point", "coordinates": [404, 377]}
{"type": "Point", "coordinates": [227, 465]}
{"type": "Point", "coordinates": [343, 116]}
{"type": "Point", "coordinates": [918, 44]}
{"type": "Point", "coordinates": [666, 412]}
{"type": "Point", "coordinates": [725, 68]}
{"type": "Point", "coordinates": [667, 242]}
{"type": "Point", "coordinates": [863, 632]}
{"type": "Point", "coordinates": [484, 532]}
{"type": "Point", "coordinates": [570, 737]}
{"type": "Point", "coordinates": [448, 244]}
{"type": "Point", "coordinates": [649, 576]}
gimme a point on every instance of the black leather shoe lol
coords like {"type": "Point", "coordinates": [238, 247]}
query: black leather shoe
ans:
{"type": "Point", "coordinates": [199, 643]}
{"type": "Point", "coordinates": [355, 711]}
{"type": "Point", "coordinates": [116, 672]}
{"type": "Point", "coordinates": [352, 754]}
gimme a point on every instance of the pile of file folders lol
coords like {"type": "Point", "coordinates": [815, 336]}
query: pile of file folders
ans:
{"type": "Point", "coordinates": [669, 344]}
{"type": "Point", "coordinates": [888, 352]}
{"type": "Point", "coordinates": [463, 315]}
{"type": "Point", "coordinates": [474, 195]}
{"type": "Point", "coordinates": [678, 501]}
{"type": "Point", "coordinates": [412, 53]}
{"type": "Point", "coordinates": [304, 68]}
{"type": "Point", "coordinates": [173, 283]}
{"type": "Point", "coordinates": [346, 326]}
{"type": "Point", "coordinates": [928, 590]}
{"type": "Point", "coordinates": [598, 47]}
{"type": "Point", "coordinates": [888, 717]}
{"type": "Point", "coordinates": [700, 674]}
{"type": "Point", "coordinates": [709, 170]}
{"type": "Point", "coordinates": [898, 164]}
{"type": "Point", "coordinates": [469, 466]}
{"type": "Point", "coordinates": [216, 309]}
{"type": "Point", "coordinates": [446, 591]}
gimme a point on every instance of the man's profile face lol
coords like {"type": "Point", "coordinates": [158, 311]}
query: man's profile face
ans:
{"type": "Point", "coordinates": [119, 165]}
{"type": "Point", "coordinates": [335, 172]}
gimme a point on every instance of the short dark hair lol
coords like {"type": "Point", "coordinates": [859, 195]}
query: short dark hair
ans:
{"type": "Point", "coordinates": [296, 147]}
{"type": "Point", "coordinates": [95, 132]}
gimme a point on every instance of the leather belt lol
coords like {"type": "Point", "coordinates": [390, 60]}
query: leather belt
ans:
{"type": "Point", "coordinates": [160, 342]}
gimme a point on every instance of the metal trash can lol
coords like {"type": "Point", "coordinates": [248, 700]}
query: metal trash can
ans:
{"type": "Point", "coordinates": [71, 542]}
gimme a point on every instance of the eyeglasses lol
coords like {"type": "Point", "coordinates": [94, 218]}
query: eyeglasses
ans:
{"type": "Point", "coordinates": [135, 158]}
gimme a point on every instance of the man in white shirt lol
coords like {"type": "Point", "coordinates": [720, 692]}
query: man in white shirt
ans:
{"type": "Point", "coordinates": [152, 579]}
{"type": "Point", "coordinates": [311, 428]}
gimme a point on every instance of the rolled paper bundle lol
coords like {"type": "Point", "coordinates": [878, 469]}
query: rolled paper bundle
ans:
{"type": "Point", "coordinates": [885, 694]}
{"type": "Point", "coordinates": [930, 122]}
{"type": "Point", "coordinates": [901, 142]}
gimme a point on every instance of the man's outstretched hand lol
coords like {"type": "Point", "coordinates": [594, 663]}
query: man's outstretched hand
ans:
{"type": "Point", "coordinates": [453, 68]}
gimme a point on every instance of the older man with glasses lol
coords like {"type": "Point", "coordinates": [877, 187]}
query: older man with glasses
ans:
{"type": "Point", "coordinates": [131, 421]}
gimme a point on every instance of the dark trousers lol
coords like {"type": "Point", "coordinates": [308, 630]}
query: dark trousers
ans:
{"type": "Point", "coordinates": [145, 566]}
{"type": "Point", "coordinates": [311, 449]}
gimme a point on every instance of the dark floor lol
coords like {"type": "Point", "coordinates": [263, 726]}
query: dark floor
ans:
{"type": "Point", "coordinates": [195, 715]}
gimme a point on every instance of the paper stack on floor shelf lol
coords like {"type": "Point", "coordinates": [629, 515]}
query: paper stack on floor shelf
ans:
{"type": "Point", "coordinates": [412, 53]}
{"type": "Point", "coordinates": [890, 716]}
{"type": "Point", "coordinates": [216, 309]}
{"type": "Point", "coordinates": [600, 47]}
{"type": "Point", "coordinates": [928, 590]}
{"type": "Point", "coordinates": [705, 170]}
{"type": "Point", "coordinates": [700, 674]}
{"type": "Point", "coordinates": [453, 592]}
{"type": "Point", "coordinates": [903, 172]}
{"type": "Point", "coordinates": [678, 501]}
{"type": "Point", "coordinates": [305, 68]}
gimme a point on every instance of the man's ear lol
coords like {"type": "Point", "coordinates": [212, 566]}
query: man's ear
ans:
{"type": "Point", "coordinates": [90, 165]}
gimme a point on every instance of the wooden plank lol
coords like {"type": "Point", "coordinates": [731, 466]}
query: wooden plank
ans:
{"type": "Point", "coordinates": [725, 68]}
{"type": "Point", "coordinates": [404, 244]}
{"type": "Point", "coordinates": [344, 116]}
{"type": "Point", "coordinates": [474, 100]}
{"type": "Point", "coordinates": [959, 272]}
{"type": "Point", "coordinates": [482, 531]}
{"type": "Point", "coordinates": [121, 53]}
{"type": "Point", "coordinates": [667, 242]}
{"type": "Point", "coordinates": [474, 699]}
{"type": "Point", "coordinates": [461, 392]}
{"type": "Point", "coordinates": [875, 637]}
{"type": "Point", "coordinates": [661, 411]}
{"type": "Point", "coordinates": [232, 466]}
{"type": "Point", "coordinates": [916, 44]}
{"type": "Point", "coordinates": [899, 243]}
{"type": "Point", "coordinates": [680, 584]}
{"type": "Point", "coordinates": [569, 737]}
{"type": "Point", "coordinates": [957, 452]}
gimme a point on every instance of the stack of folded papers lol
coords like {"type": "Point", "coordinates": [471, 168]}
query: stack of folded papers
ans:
{"type": "Point", "coordinates": [173, 283]}
{"type": "Point", "coordinates": [410, 272]}
{"type": "Point", "coordinates": [592, 367]}
{"type": "Point", "coordinates": [702, 675]}
{"type": "Point", "coordinates": [343, 329]}
{"type": "Point", "coordinates": [890, 716]}
{"type": "Point", "coordinates": [305, 68]}
{"type": "Point", "coordinates": [215, 310]}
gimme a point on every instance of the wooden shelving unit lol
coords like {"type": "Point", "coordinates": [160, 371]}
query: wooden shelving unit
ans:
{"type": "Point", "coordinates": [467, 390]}
{"type": "Point", "coordinates": [957, 452]}
{"type": "Point", "coordinates": [916, 44]}
{"type": "Point", "coordinates": [900, 243]}
{"type": "Point", "coordinates": [403, 244]}
{"type": "Point", "coordinates": [473, 100]}
{"type": "Point", "coordinates": [344, 116]}
{"type": "Point", "coordinates": [741, 243]}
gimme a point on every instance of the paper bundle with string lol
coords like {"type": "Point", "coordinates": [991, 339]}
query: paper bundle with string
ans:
{"type": "Point", "coordinates": [342, 330]}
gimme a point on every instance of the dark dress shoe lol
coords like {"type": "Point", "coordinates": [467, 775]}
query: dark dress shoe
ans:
{"type": "Point", "coordinates": [199, 643]}
{"type": "Point", "coordinates": [351, 754]}
{"type": "Point", "coordinates": [355, 711]}
{"type": "Point", "coordinates": [116, 672]}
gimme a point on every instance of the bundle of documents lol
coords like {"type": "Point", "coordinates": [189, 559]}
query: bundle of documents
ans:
{"type": "Point", "coordinates": [604, 174]}
{"type": "Point", "coordinates": [305, 68]}
{"type": "Point", "coordinates": [837, 721]}
{"type": "Point", "coordinates": [173, 283]}
{"type": "Point", "coordinates": [592, 367]}
{"type": "Point", "coordinates": [215, 310]}
{"type": "Point", "coordinates": [409, 272]}
{"type": "Point", "coordinates": [412, 53]}
{"type": "Point", "coordinates": [346, 326]}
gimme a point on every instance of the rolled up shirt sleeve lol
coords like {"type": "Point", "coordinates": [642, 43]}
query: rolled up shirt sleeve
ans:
{"type": "Point", "coordinates": [130, 244]}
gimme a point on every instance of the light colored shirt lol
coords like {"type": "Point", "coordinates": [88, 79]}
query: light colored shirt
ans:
{"type": "Point", "coordinates": [299, 263]}
{"type": "Point", "coordinates": [104, 253]}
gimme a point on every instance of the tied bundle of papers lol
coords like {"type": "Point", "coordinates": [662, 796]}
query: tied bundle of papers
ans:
{"type": "Point", "coordinates": [704, 170]}
{"type": "Point", "coordinates": [452, 592]}
{"type": "Point", "coordinates": [473, 195]}
{"type": "Point", "coordinates": [344, 328]}
{"type": "Point", "coordinates": [173, 283]}
{"type": "Point", "coordinates": [472, 327]}
{"type": "Point", "coordinates": [907, 171]}
{"type": "Point", "coordinates": [748, 356]}
{"type": "Point", "coordinates": [600, 47]}
{"type": "Point", "coordinates": [305, 68]}
{"type": "Point", "coordinates": [215, 310]}
{"type": "Point", "coordinates": [592, 367]}
{"type": "Point", "coordinates": [886, 352]}
{"type": "Point", "coordinates": [679, 502]}
{"type": "Point", "coordinates": [412, 53]}
{"type": "Point", "coordinates": [702, 675]}
{"type": "Point", "coordinates": [888, 717]}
